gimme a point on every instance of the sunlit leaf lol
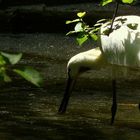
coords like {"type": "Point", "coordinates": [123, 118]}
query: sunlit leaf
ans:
{"type": "Point", "coordinates": [94, 37]}
{"type": "Point", "coordinates": [96, 29]}
{"type": "Point", "coordinates": [81, 14]}
{"type": "Point", "coordinates": [106, 32]}
{"type": "Point", "coordinates": [72, 21]}
{"type": "Point", "coordinates": [128, 1]}
{"type": "Point", "coordinates": [82, 38]}
{"type": "Point", "coordinates": [101, 20]}
{"type": "Point", "coordinates": [97, 24]}
{"type": "Point", "coordinates": [12, 58]}
{"type": "Point", "coordinates": [79, 27]}
{"type": "Point", "coordinates": [105, 2]}
{"type": "Point", "coordinates": [30, 75]}
{"type": "Point", "coordinates": [71, 32]}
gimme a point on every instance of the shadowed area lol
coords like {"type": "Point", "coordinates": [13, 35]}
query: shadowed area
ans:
{"type": "Point", "coordinates": [30, 113]}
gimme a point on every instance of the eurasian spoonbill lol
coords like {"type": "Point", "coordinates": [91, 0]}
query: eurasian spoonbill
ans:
{"type": "Point", "coordinates": [120, 48]}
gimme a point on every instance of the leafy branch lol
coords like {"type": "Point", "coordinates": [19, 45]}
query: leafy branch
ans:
{"type": "Point", "coordinates": [84, 31]}
{"type": "Point", "coordinates": [104, 2]}
{"type": "Point", "coordinates": [8, 64]}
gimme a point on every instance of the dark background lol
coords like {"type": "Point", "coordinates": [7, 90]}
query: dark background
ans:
{"type": "Point", "coordinates": [47, 2]}
{"type": "Point", "coordinates": [29, 16]}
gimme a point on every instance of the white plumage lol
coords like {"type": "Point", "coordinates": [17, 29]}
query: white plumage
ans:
{"type": "Point", "coordinates": [121, 47]}
{"type": "Point", "coordinates": [92, 59]}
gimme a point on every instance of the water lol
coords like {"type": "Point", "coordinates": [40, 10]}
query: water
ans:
{"type": "Point", "coordinates": [30, 113]}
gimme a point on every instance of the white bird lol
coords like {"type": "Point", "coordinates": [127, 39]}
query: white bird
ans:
{"type": "Point", "coordinates": [120, 48]}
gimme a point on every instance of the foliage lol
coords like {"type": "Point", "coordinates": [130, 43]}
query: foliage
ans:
{"type": "Point", "coordinates": [8, 64]}
{"type": "Point", "coordinates": [84, 31]}
{"type": "Point", "coordinates": [105, 2]}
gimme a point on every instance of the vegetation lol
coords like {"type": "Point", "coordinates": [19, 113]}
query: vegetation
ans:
{"type": "Point", "coordinates": [85, 32]}
{"type": "Point", "coordinates": [8, 64]}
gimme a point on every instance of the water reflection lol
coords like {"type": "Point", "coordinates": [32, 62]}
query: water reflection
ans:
{"type": "Point", "coordinates": [30, 113]}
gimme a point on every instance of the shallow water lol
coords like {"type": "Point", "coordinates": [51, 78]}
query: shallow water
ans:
{"type": "Point", "coordinates": [30, 113]}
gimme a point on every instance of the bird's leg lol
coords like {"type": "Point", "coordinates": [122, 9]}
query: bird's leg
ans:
{"type": "Point", "coordinates": [139, 106]}
{"type": "Point", "coordinates": [64, 103]}
{"type": "Point", "coordinates": [114, 102]}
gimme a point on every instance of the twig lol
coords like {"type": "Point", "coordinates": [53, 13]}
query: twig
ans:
{"type": "Point", "coordinates": [113, 18]}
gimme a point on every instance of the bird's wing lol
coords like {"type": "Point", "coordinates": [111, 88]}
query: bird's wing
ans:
{"type": "Point", "coordinates": [122, 46]}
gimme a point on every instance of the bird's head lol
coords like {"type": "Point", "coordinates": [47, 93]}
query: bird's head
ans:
{"type": "Point", "coordinates": [73, 71]}
{"type": "Point", "coordinates": [82, 62]}
{"type": "Point", "coordinates": [74, 65]}
{"type": "Point", "coordinates": [77, 65]}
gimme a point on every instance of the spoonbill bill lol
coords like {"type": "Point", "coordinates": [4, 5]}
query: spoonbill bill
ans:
{"type": "Point", "coordinates": [120, 48]}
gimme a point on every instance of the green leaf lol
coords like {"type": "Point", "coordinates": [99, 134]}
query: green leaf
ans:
{"type": "Point", "coordinates": [101, 20]}
{"type": "Point", "coordinates": [79, 27]}
{"type": "Point", "coordinates": [4, 76]}
{"type": "Point", "coordinates": [94, 37]}
{"type": "Point", "coordinates": [12, 58]}
{"type": "Point", "coordinates": [2, 61]}
{"type": "Point", "coordinates": [82, 38]}
{"type": "Point", "coordinates": [81, 14]}
{"type": "Point", "coordinates": [30, 75]}
{"type": "Point", "coordinates": [105, 2]}
{"type": "Point", "coordinates": [97, 24]}
{"type": "Point", "coordinates": [72, 21]}
{"type": "Point", "coordinates": [128, 1]}
{"type": "Point", "coordinates": [71, 32]}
